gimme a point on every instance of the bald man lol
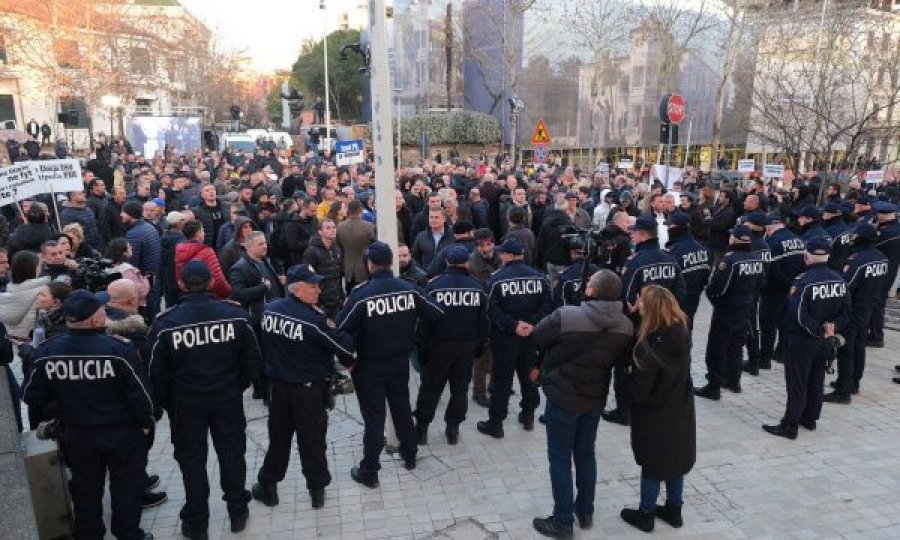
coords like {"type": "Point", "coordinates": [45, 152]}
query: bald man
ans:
{"type": "Point", "coordinates": [123, 319]}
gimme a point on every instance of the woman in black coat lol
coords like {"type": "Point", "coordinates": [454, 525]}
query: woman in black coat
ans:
{"type": "Point", "coordinates": [663, 427]}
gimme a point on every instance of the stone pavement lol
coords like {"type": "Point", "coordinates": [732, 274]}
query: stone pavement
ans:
{"type": "Point", "coordinates": [841, 481]}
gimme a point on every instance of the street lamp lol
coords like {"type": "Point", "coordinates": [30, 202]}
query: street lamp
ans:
{"type": "Point", "coordinates": [322, 6]}
{"type": "Point", "coordinates": [112, 102]}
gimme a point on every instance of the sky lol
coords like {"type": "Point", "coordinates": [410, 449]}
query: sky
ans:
{"type": "Point", "coordinates": [270, 31]}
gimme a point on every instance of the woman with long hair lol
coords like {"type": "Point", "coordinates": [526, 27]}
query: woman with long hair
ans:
{"type": "Point", "coordinates": [663, 425]}
{"type": "Point", "coordinates": [119, 251]}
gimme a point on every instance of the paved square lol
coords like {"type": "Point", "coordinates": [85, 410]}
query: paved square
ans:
{"type": "Point", "coordinates": [841, 481]}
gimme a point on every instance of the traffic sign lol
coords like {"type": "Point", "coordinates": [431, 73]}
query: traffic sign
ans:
{"type": "Point", "coordinates": [349, 152]}
{"type": "Point", "coordinates": [746, 165]}
{"type": "Point", "coordinates": [541, 153]}
{"type": "Point", "coordinates": [773, 171]}
{"type": "Point", "coordinates": [672, 108]}
{"type": "Point", "coordinates": [540, 135]}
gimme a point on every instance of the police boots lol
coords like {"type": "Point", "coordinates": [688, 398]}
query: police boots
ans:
{"type": "Point", "coordinates": [710, 391]}
{"type": "Point", "coordinates": [638, 519]}
{"type": "Point", "coordinates": [488, 427]}
{"type": "Point", "coordinates": [452, 433]}
{"type": "Point", "coordinates": [266, 493]}
{"type": "Point", "coordinates": [527, 420]}
{"type": "Point", "coordinates": [422, 433]}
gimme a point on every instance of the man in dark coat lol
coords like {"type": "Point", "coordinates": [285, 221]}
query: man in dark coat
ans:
{"type": "Point", "coordinates": [300, 228]}
{"type": "Point", "coordinates": [324, 255]}
{"type": "Point", "coordinates": [719, 225]}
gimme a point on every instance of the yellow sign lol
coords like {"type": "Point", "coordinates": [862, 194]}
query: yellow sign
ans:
{"type": "Point", "coordinates": [540, 135]}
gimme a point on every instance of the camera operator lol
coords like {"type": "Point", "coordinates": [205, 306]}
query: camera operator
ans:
{"type": "Point", "coordinates": [615, 244]}
{"type": "Point", "coordinates": [568, 290]}
{"type": "Point", "coordinates": [105, 410]}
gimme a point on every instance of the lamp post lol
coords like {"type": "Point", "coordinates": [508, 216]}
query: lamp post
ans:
{"type": "Point", "coordinates": [322, 7]}
{"type": "Point", "coordinates": [111, 102]}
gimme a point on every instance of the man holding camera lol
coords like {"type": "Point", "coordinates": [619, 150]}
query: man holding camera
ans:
{"type": "Point", "coordinates": [106, 412]}
{"type": "Point", "coordinates": [300, 341]}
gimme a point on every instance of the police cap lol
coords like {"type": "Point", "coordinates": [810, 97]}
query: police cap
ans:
{"type": "Point", "coordinates": [679, 219]}
{"type": "Point", "coordinates": [773, 219]}
{"type": "Point", "coordinates": [832, 208]}
{"type": "Point", "coordinates": [457, 255]}
{"type": "Point", "coordinates": [741, 233]}
{"type": "Point", "coordinates": [884, 207]}
{"type": "Point", "coordinates": [304, 273]}
{"type": "Point", "coordinates": [808, 211]}
{"type": "Point", "coordinates": [195, 272]}
{"type": "Point", "coordinates": [511, 246]}
{"type": "Point", "coordinates": [81, 304]}
{"type": "Point", "coordinates": [644, 223]}
{"type": "Point", "coordinates": [818, 245]}
{"type": "Point", "coordinates": [757, 218]}
{"type": "Point", "coordinates": [863, 200]}
{"type": "Point", "coordinates": [380, 253]}
{"type": "Point", "coordinates": [865, 232]}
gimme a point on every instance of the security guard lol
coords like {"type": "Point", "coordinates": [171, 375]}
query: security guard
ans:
{"type": "Point", "coordinates": [648, 264]}
{"type": "Point", "coordinates": [693, 258]}
{"type": "Point", "coordinates": [787, 252]}
{"type": "Point", "coordinates": [818, 308]}
{"type": "Point", "coordinates": [841, 234]}
{"type": "Point", "coordinates": [756, 222]}
{"type": "Point", "coordinates": [449, 347]}
{"type": "Point", "coordinates": [808, 220]}
{"type": "Point", "coordinates": [203, 356]}
{"type": "Point", "coordinates": [568, 285]}
{"type": "Point", "coordinates": [518, 297]}
{"type": "Point", "coordinates": [381, 315]}
{"type": "Point", "coordinates": [889, 244]}
{"type": "Point", "coordinates": [865, 274]}
{"type": "Point", "coordinates": [733, 288]}
{"type": "Point", "coordinates": [106, 411]}
{"type": "Point", "coordinates": [300, 342]}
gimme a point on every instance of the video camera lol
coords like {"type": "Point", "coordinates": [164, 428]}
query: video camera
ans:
{"type": "Point", "coordinates": [95, 274]}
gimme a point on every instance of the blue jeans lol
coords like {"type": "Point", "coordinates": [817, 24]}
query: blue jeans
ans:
{"type": "Point", "coordinates": [650, 492]}
{"type": "Point", "coordinates": [571, 435]}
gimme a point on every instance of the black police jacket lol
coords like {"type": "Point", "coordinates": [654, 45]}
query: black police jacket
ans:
{"type": "Point", "coordinates": [889, 244]}
{"type": "Point", "coordinates": [464, 302]}
{"type": "Point", "coordinates": [381, 315]}
{"type": "Point", "coordinates": [300, 342]}
{"type": "Point", "coordinates": [201, 346]}
{"type": "Point", "coordinates": [736, 282]}
{"type": "Point", "coordinates": [516, 293]}
{"type": "Point", "coordinates": [761, 247]}
{"type": "Point", "coordinates": [649, 264]}
{"type": "Point", "coordinates": [439, 262]}
{"type": "Point", "coordinates": [842, 242]}
{"type": "Point", "coordinates": [96, 379]}
{"type": "Point", "coordinates": [813, 230]}
{"type": "Point", "coordinates": [787, 260]}
{"type": "Point", "coordinates": [568, 285]}
{"type": "Point", "coordinates": [817, 296]}
{"type": "Point", "coordinates": [693, 258]}
{"type": "Point", "coordinates": [866, 273]}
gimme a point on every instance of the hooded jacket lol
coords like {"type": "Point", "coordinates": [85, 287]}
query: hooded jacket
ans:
{"type": "Point", "coordinates": [190, 250]}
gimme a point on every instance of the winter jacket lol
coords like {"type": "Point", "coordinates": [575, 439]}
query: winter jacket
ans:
{"type": "Point", "coordinates": [190, 250]}
{"type": "Point", "coordinates": [719, 227]}
{"type": "Point", "coordinates": [550, 246]}
{"type": "Point", "coordinates": [208, 216]}
{"type": "Point", "coordinates": [581, 344]}
{"type": "Point", "coordinates": [526, 238]}
{"type": "Point", "coordinates": [167, 243]}
{"type": "Point", "coordinates": [328, 263]}
{"type": "Point", "coordinates": [248, 287]}
{"type": "Point", "coordinates": [663, 425]}
{"type": "Point", "coordinates": [146, 250]}
{"type": "Point", "coordinates": [19, 311]}
{"type": "Point", "coordinates": [85, 217]}
{"type": "Point", "coordinates": [297, 233]}
{"type": "Point", "coordinates": [424, 249]}
{"type": "Point", "coordinates": [141, 283]}
{"type": "Point", "coordinates": [232, 251]}
{"type": "Point", "coordinates": [29, 236]}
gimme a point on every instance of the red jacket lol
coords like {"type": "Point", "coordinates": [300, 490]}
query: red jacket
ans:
{"type": "Point", "coordinates": [190, 250]}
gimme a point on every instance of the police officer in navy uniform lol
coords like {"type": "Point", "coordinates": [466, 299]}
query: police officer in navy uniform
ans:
{"type": "Point", "coordinates": [106, 411]}
{"type": "Point", "coordinates": [692, 257]}
{"type": "Point", "coordinates": [203, 356]}
{"type": "Point", "coordinates": [787, 252]}
{"type": "Point", "coordinates": [841, 234]}
{"type": "Point", "coordinates": [648, 264]}
{"type": "Point", "coordinates": [449, 347]}
{"type": "Point", "coordinates": [518, 298]}
{"type": "Point", "coordinates": [300, 342]}
{"type": "Point", "coordinates": [756, 222]}
{"type": "Point", "coordinates": [381, 315]}
{"type": "Point", "coordinates": [865, 274]}
{"type": "Point", "coordinates": [733, 288]}
{"type": "Point", "coordinates": [889, 244]}
{"type": "Point", "coordinates": [808, 220]}
{"type": "Point", "coordinates": [818, 308]}
{"type": "Point", "coordinates": [568, 285]}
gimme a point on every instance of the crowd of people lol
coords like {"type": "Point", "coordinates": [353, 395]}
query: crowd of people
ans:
{"type": "Point", "coordinates": [174, 282]}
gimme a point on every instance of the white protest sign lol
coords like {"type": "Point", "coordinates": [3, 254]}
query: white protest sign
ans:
{"type": "Point", "coordinates": [746, 165]}
{"type": "Point", "coordinates": [874, 177]}
{"type": "Point", "coordinates": [32, 178]}
{"type": "Point", "coordinates": [773, 171]}
{"type": "Point", "coordinates": [16, 183]}
{"type": "Point", "coordinates": [603, 168]}
{"type": "Point", "coordinates": [625, 164]}
{"type": "Point", "coordinates": [659, 171]}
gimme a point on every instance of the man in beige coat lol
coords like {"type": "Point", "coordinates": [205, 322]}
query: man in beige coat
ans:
{"type": "Point", "coordinates": [354, 235]}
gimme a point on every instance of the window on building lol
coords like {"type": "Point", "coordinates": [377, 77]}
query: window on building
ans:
{"type": "Point", "coordinates": [171, 69]}
{"type": "Point", "coordinates": [141, 61]}
{"type": "Point", "coordinates": [885, 42]}
{"type": "Point", "coordinates": [66, 53]}
{"type": "Point", "coordinates": [3, 50]}
{"type": "Point", "coordinates": [870, 42]}
{"type": "Point", "coordinates": [7, 110]}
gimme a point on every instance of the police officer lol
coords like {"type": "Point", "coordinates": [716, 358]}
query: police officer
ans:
{"type": "Point", "coordinates": [733, 288]}
{"type": "Point", "coordinates": [787, 252]}
{"type": "Point", "coordinates": [834, 224]}
{"type": "Point", "coordinates": [756, 222]}
{"type": "Point", "coordinates": [889, 244]}
{"type": "Point", "coordinates": [808, 221]}
{"type": "Point", "coordinates": [448, 348]}
{"type": "Point", "coordinates": [865, 274]}
{"type": "Point", "coordinates": [106, 412]}
{"type": "Point", "coordinates": [568, 285]}
{"type": "Point", "coordinates": [381, 316]}
{"type": "Point", "coordinates": [648, 264]}
{"type": "Point", "coordinates": [300, 342]}
{"type": "Point", "coordinates": [693, 259]}
{"type": "Point", "coordinates": [818, 308]}
{"type": "Point", "coordinates": [203, 356]}
{"type": "Point", "coordinates": [518, 297]}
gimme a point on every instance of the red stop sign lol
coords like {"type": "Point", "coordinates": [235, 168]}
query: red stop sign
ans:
{"type": "Point", "coordinates": [676, 109]}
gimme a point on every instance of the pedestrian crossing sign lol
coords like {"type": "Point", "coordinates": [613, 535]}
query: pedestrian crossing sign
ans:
{"type": "Point", "coordinates": [540, 135]}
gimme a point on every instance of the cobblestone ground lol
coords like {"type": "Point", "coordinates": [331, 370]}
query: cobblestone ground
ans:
{"type": "Point", "coordinates": [841, 481]}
